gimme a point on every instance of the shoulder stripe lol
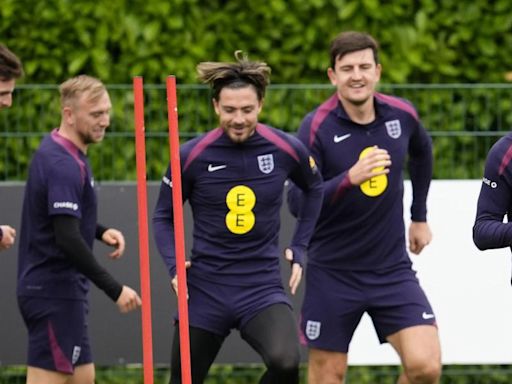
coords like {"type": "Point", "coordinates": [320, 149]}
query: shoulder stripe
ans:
{"type": "Point", "coordinates": [271, 136]}
{"type": "Point", "coordinates": [398, 103]}
{"type": "Point", "coordinates": [209, 138]}
{"type": "Point", "coordinates": [320, 115]}
{"type": "Point", "coordinates": [72, 149]}
{"type": "Point", "coordinates": [505, 160]}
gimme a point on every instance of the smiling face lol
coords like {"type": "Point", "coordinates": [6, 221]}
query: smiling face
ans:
{"type": "Point", "coordinates": [238, 110]}
{"type": "Point", "coordinates": [89, 118]}
{"type": "Point", "coordinates": [355, 76]}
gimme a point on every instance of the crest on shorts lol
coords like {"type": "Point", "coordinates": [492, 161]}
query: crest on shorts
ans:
{"type": "Point", "coordinates": [313, 329]}
{"type": "Point", "coordinates": [76, 354]}
{"type": "Point", "coordinates": [266, 163]}
{"type": "Point", "coordinates": [394, 128]}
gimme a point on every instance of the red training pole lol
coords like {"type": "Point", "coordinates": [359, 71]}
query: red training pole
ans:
{"type": "Point", "coordinates": [145, 287]}
{"type": "Point", "coordinates": [179, 233]}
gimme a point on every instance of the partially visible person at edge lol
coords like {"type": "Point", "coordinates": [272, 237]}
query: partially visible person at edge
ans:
{"type": "Point", "coordinates": [357, 258]}
{"type": "Point", "coordinates": [233, 177]}
{"type": "Point", "coordinates": [10, 70]}
{"type": "Point", "coordinates": [58, 228]}
{"type": "Point", "coordinates": [494, 201]}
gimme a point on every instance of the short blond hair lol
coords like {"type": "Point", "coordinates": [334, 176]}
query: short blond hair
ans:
{"type": "Point", "coordinates": [72, 89]}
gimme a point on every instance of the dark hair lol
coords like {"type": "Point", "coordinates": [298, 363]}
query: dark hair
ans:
{"type": "Point", "coordinates": [10, 64]}
{"type": "Point", "coordinates": [351, 41]}
{"type": "Point", "coordinates": [240, 74]}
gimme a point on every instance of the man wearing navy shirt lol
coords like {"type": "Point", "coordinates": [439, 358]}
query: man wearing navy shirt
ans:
{"type": "Point", "coordinates": [10, 70]}
{"type": "Point", "coordinates": [494, 201]}
{"type": "Point", "coordinates": [357, 259]}
{"type": "Point", "coordinates": [58, 228]}
{"type": "Point", "coordinates": [233, 178]}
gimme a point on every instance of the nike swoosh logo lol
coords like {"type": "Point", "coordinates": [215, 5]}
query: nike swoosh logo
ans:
{"type": "Point", "coordinates": [427, 316]}
{"type": "Point", "coordinates": [338, 139]}
{"type": "Point", "coordinates": [213, 168]}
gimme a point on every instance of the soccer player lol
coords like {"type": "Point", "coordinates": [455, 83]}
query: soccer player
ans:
{"type": "Point", "coordinates": [10, 70]}
{"type": "Point", "coordinates": [233, 177]}
{"type": "Point", "coordinates": [489, 231]}
{"type": "Point", "coordinates": [357, 258]}
{"type": "Point", "coordinates": [58, 228]}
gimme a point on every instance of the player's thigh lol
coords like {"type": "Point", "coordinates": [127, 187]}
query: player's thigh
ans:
{"type": "Point", "coordinates": [326, 366]}
{"type": "Point", "coordinates": [417, 345]}
{"type": "Point", "coordinates": [84, 374]}
{"type": "Point", "coordinates": [37, 375]}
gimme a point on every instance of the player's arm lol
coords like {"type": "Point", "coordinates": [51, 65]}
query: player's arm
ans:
{"type": "Point", "coordinates": [306, 177]}
{"type": "Point", "coordinates": [489, 230]}
{"type": "Point", "coordinates": [420, 171]}
{"type": "Point", "coordinates": [70, 241]}
{"type": "Point", "coordinates": [163, 224]}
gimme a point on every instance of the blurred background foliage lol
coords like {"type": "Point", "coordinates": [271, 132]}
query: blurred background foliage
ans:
{"type": "Point", "coordinates": [422, 41]}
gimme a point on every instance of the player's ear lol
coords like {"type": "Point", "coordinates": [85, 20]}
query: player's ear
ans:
{"type": "Point", "coordinates": [216, 106]}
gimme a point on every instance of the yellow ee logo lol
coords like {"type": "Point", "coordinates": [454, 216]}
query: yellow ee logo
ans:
{"type": "Point", "coordinates": [240, 201]}
{"type": "Point", "coordinates": [377, 184]}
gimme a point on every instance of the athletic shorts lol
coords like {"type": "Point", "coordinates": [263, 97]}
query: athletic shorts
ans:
{"type": "Point", "coordinates": [219, 308]}
{"type": "Point", "coordinates": [335, 301]}
{"type": "Point", "coordinates": [57, 333]}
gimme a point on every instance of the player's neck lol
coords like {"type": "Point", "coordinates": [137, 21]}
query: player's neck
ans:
{"type": "Point", "coordinates": [68, 133]}
{"type": "Point", "coordinates": [360, 113]}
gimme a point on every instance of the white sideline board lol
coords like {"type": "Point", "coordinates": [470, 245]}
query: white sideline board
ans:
{"type": "Point", "coordinates": [469, 290]}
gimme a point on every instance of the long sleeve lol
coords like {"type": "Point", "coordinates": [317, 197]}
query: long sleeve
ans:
{"type": "Point", "coordinates": [163, 222]}
{"type": "Point", "coordinates": [420, 171]}
{"type": "Point", "coordinates": [495, 199]}
{"type": "Point", "coordinates": [70, 241]}
{"type": "Point", "coordinates": [308, 180]}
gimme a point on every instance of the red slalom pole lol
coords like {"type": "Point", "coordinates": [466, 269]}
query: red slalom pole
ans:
{"type": "Point", "coordinates": [179, 233]}
{"type": "Point", "coordinates": [145, 286]}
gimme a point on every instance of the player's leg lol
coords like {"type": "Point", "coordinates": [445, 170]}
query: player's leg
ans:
{"type": "Point", "coordinates": [333, 305]}
{"type": "Point", "coordinates": [83, 374]}
{"type": "Point", "coordinates": [326, 367]}
{"type": "Point", "coordinates": [403, 316]}
{"type": "Point", "coordinates": [420, 354]}
{"type": "Point", "coordinates": [204, 347]}
{"type": "Point", "coordinates": [37, 375]}
{"type": "Point", "coordinates": [273, 334]}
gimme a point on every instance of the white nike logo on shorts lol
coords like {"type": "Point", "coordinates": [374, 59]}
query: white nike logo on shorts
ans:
{"type": "Point", "coordinates": [213, 168]}
{"type": "Point", "coordinates": [427, 316]}
{"type": "Point", "coordinates": [338, 139]}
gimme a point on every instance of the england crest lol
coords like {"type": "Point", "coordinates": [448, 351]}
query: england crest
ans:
{"type": "Point", "coordinates": [266, 163]}
{"type": "Point", "coordinates": [394, 129]}
{"type": "Point", "coordinates": [313, 329]}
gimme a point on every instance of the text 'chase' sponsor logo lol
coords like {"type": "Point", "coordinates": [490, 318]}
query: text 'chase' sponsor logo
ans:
{"type": "Point", "coordinates": [490, 183]}
{"type": "Point", "coordinates": [65, 204]}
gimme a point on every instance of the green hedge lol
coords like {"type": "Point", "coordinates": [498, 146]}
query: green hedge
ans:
{"type": "Point", "coordinates": [424, 41]}
{"type": "Point", "coordinates": [248, 374]}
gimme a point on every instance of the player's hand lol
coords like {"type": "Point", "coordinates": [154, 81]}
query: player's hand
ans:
{"type": "Point", "coordinates": [128, 300]}
{"type": "Point", "coordinates": [296, 275]}
{"type": "Point", "coordinates": [174, 281]}
{"type": "Point", "coordinates": [375, 163]}
{"type": "Point", "coordinates": [115, 239]}
{"type": "Point", "coordinates": [419, 236]}
{"type": "Point", "coordinates": [8, 237]}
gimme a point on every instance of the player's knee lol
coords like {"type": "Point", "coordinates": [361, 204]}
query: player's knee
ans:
{"type": "Point", "coordinates": [287, 360]}
{"type": "Point", "coordinates": [425, 372]}
{"type": "Point", "coordinates": [322, 371]}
